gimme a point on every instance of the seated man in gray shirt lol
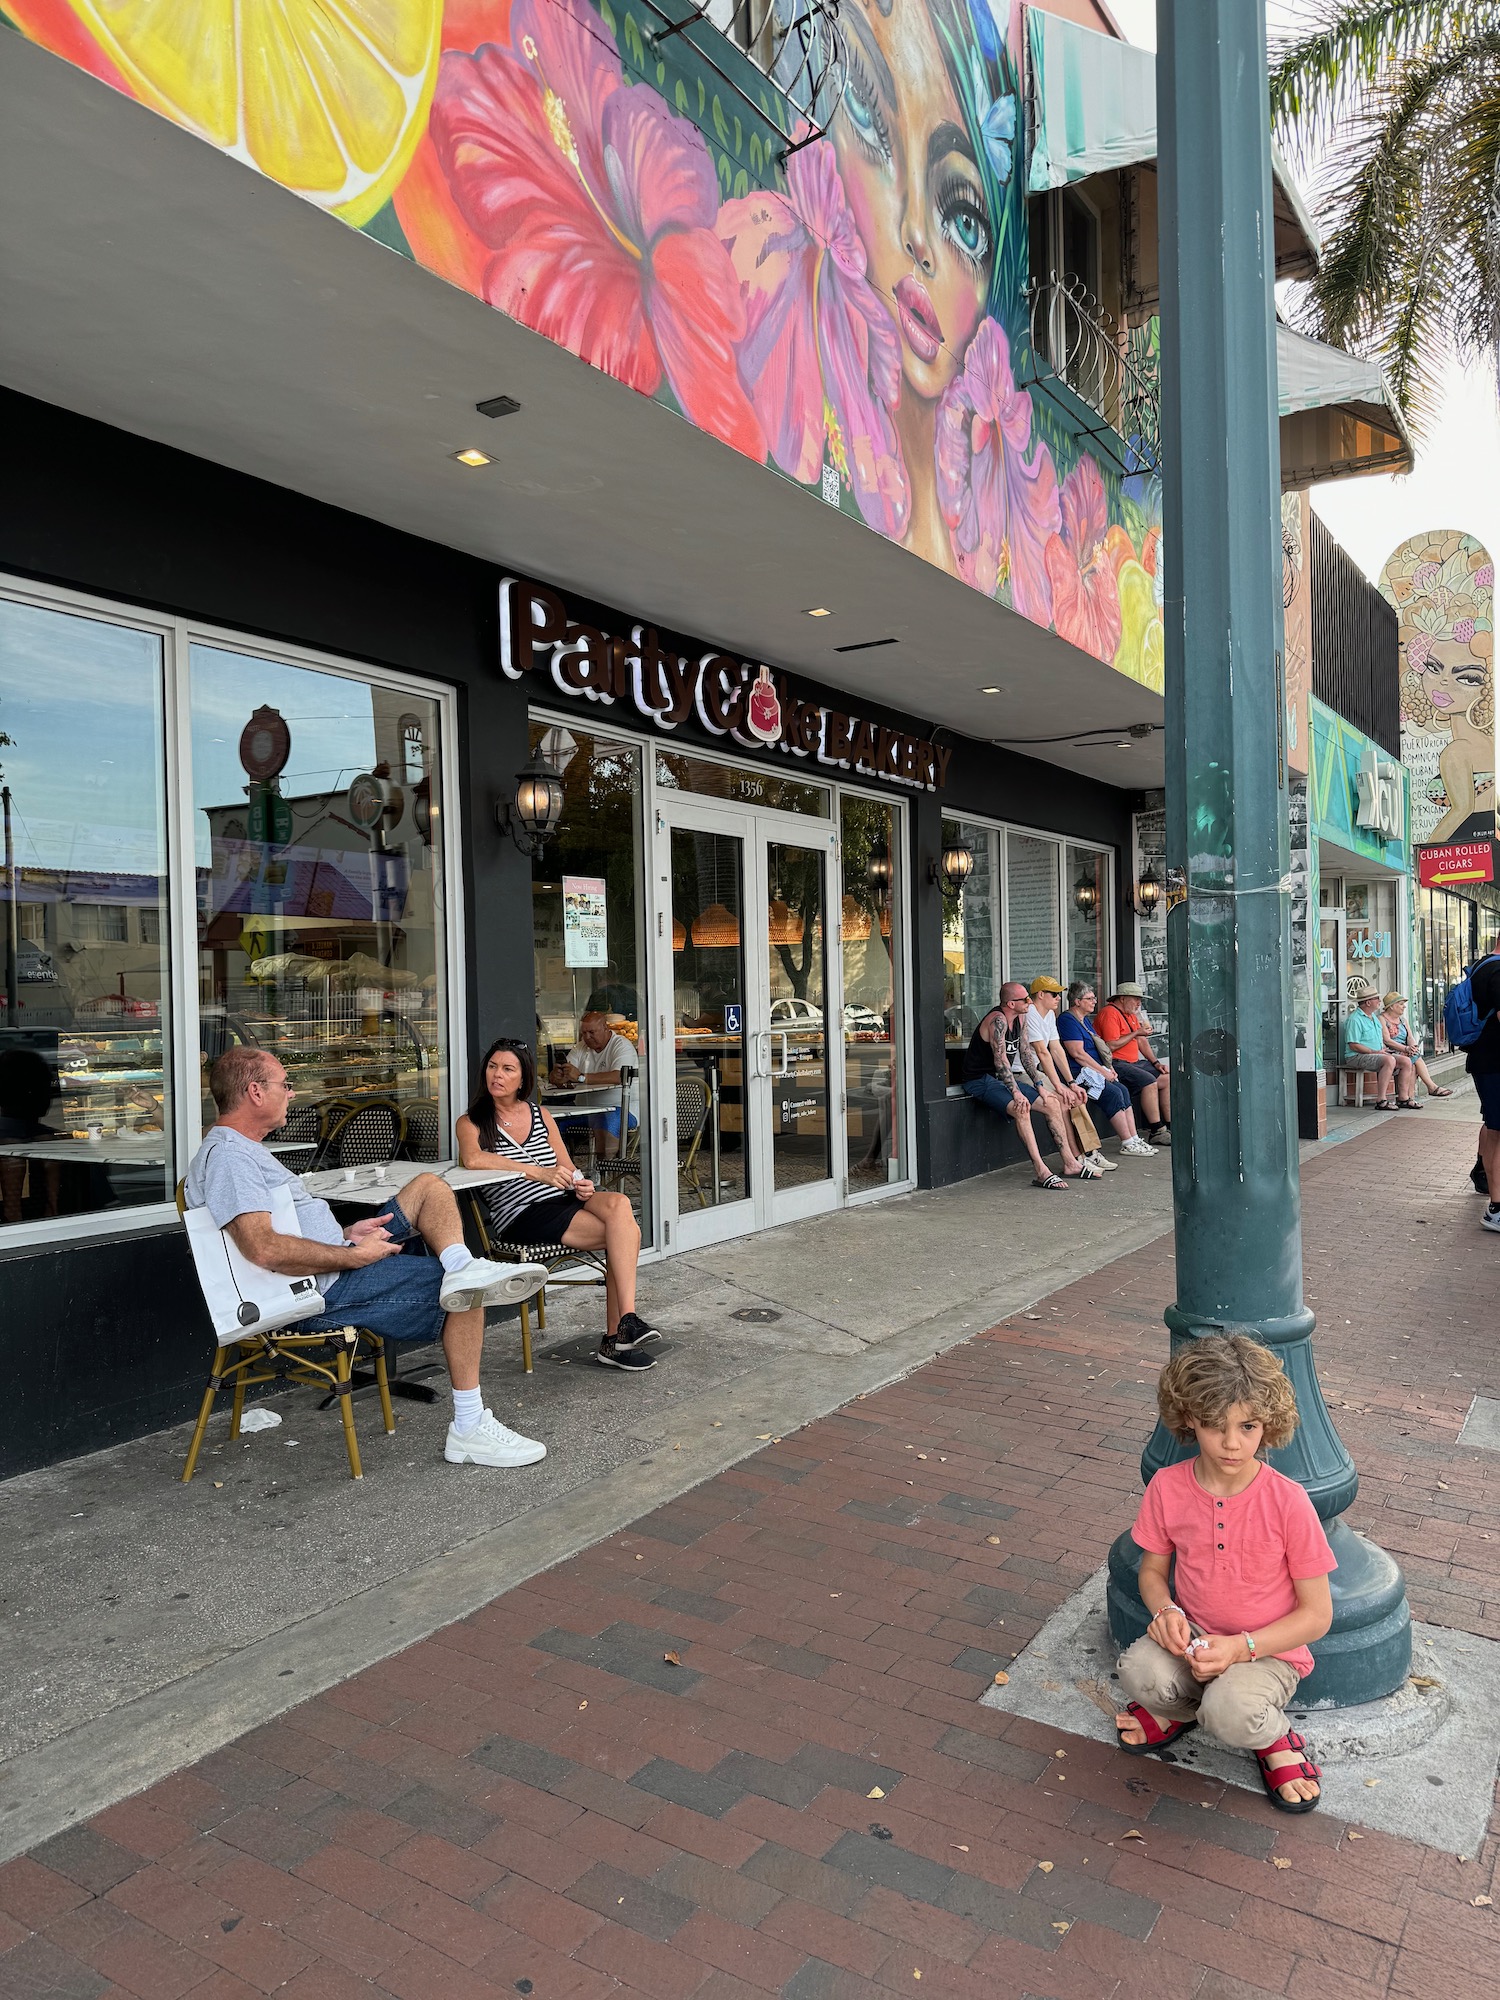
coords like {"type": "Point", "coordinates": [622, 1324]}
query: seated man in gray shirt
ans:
{"type": "Point", "coordinates": [361, 1272]}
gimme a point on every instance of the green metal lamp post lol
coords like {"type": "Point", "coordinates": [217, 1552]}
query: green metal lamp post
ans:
{"type": "Point", "coordinates": [1234, 1160]}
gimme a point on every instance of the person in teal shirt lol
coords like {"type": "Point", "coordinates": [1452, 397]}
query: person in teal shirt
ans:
{"type": "Point", "coordinates": [1364, 1048]}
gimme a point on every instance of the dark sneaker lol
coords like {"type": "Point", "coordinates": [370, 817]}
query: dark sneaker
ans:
{"type": "Point", "coordinates": [633, 1332]}
{"type": "Point", "coordinates": [612, 1355]}
{"type": "Point", "coordinates": [1162, 1136]}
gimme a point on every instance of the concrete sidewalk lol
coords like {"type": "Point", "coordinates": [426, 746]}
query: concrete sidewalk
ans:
{"type": "Point", "coordinates": [738, 1748]}
{"type": "Point", "coordinates": [148, 1622]}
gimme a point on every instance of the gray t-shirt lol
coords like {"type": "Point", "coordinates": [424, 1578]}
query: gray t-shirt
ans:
{"type": "Point", "coordinates": [231, 1175]}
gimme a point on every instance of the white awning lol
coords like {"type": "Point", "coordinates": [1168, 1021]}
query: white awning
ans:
{"type": "Point", "coordinates": [1092, 105]}
{"type": "Point", "coordinates": [1338, 417]}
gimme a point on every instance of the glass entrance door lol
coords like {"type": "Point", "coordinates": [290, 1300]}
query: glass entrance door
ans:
{"type": "Point", "coordinates": [745, 1135]}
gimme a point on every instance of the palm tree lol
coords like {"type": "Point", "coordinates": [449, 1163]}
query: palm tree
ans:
{"type": "Point", "coordinates": [1402, 100]}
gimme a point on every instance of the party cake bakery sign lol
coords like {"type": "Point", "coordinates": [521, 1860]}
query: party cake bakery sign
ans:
{"type": "Point", "coordinates": [750, 705]}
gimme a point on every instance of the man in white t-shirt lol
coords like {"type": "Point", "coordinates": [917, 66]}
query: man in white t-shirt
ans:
{"type": "Point", "coordinates": [1041, 1032]}
{"type": "Point", "coordinates": [597, 1058]}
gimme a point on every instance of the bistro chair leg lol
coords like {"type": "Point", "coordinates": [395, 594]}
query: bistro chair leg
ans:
{"type": "Point", "coordinates": [541, 1309]}
{"type": "Point", "coordinates": [346, 1410]}
{"type": "Point", "coordinates": [242, 1351]}
{"type": "Point", "coordinates": [205, 1411]}
{"type": "Point", "coordinates": [383, 1383]}
{"type": "Point", "coordinates": [526, 1335]}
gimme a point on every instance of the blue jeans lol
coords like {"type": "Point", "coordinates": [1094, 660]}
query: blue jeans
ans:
{"type": "Point", "coordinates": [1113, 1099]}
{"type": "Point", "coordinates": [997, 1094]}
{"type": "Point", "coordinates": [396, 1298]}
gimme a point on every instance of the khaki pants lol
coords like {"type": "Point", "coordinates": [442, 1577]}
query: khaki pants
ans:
{"type": "Point", "coordinates": [1242, 1707]}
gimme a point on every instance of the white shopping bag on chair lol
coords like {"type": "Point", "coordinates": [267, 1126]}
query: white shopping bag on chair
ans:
{"type": "Point", "coordinates": [242, 1298]}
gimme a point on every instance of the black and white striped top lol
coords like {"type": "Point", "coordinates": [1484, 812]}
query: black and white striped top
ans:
{"type": "Point", "coordinates": [509, 1199]}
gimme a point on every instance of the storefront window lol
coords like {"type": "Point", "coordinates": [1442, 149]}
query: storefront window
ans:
{"type": "Point", "coordinates": [677, 772]}
{"type": "Point", "coordinates": [708, 1013]}
{"type": "Point", "coordinates": [972, 969]}
{"type": "Point", "coordinates": [1369, 938]}
{"type": "Point", "coordinates": [586, 927]}
{"type": "Point", "coordinates": [1088, 917]}
{"type": "Point", "coordinates": [1031, 913]}
{"type": "Point", "coordinates": [322, 904]}
{"type": "Point", "coordinates": [85, 1085]}
{"type": "Point", "coordinates": [874, 1030]}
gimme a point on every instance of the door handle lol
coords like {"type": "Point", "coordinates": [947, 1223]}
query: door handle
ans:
{"type": "Point", "coordinates": [786, 1056]}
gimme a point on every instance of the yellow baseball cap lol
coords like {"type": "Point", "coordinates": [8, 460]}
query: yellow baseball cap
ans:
{"type": "Point", "coordinates": [1043, 984]}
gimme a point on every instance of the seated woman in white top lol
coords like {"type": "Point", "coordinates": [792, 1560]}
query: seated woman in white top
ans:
{"type": "Point", "coordinates": [544, 1199]}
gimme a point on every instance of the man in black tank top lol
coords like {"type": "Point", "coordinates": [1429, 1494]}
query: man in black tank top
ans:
{"type": "Point", "coordinates": [996, 1074]}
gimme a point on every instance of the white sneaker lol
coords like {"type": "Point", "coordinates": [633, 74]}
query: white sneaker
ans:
{"type": "Point", "coordinates": [481, 1283]}
{"type": "Point", "coordinates": [1138, 1149]}
{"type": "Point", "coordinates": [1098, 1160]}
{"type": "Point", "coordinates": [490, 1443]}
{"type": "Point", "coordinates": [1491, 1217]}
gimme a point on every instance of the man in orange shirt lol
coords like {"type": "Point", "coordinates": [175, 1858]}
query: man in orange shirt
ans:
{"type": "Point", "coordinates": [1122, 1030]}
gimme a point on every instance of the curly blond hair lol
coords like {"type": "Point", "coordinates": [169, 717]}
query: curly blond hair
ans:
{"type": "Point", "coordinates": [1207, 1377]}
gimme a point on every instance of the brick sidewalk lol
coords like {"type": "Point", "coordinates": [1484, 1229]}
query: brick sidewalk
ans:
{"type": "Point", "coordinates": [540, 1801]}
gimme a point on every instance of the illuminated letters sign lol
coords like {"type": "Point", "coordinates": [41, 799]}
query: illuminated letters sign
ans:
{"type": "Point", "coordinates": [750, 705]}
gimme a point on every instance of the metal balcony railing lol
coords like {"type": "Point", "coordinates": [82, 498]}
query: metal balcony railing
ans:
{"type": "Point", "coordinates": [797, 44]}
{"type": "Point", "coordinates": [1077, 343]}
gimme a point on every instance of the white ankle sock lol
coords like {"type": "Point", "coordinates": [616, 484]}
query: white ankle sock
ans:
{"type": "Point", "coordinates": [457, 1257]}
{"type": "Point", "coordinates": [468, 1408]}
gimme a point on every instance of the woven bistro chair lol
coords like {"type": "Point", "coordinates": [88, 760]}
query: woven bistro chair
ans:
{"type": "Point", "coordinates": [419, 1131]}
{"type": "Point", "coordinates": [367, 1134]}
{"type": "Point", "coordinates": [626, 1164]}
{"type": "Point", "coordinates": [693, 1105]}
{"type": "Point", "coordinates": [317, 1360]}
{"type": "Point", "coordinates": [563, 1264]}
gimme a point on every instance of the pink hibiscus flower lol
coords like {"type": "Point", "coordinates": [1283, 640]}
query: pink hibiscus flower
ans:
{"type": "Point", "coordinates": [997, 487]}
{"type": "Point", "coordinates": [1085, 599]}
{"type": "Point", "coordinates": [598, 203]}
{"type": "Point", "coordinates": [819, 357]}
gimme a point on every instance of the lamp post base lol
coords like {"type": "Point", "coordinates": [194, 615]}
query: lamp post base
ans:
{"type": "Point", "coordinates": [1366, 1654]}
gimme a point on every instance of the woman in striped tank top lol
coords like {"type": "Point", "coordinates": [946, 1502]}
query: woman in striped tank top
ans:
{"type": "Point", "coordinates": [545, 1199]}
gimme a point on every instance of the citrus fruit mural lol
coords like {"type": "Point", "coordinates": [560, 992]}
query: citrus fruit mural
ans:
{"type": "Point", "coordinates": [329, 97]}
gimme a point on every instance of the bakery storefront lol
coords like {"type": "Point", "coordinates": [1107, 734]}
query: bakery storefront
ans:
{"type": "Point", "coordinates": [370, 803]}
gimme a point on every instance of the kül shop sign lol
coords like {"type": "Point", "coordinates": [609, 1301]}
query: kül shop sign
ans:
{"type": "Point", "coordinates": [745, 703]}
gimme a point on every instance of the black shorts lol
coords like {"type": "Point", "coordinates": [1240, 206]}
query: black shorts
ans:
{"type": "Point", "coordinates": [545, 1221]}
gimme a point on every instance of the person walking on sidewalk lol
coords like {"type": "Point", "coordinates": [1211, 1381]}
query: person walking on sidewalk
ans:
{"type": "Point", "coordinates": [438, 1287]}
{"type": "Point", "coordinates": [1251, 1571]}
{"type": "Point", "coordinates": [1483, 1065]}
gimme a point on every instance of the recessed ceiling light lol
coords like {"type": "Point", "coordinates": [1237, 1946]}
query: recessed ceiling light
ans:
{"type": "Point", "coordinates": [820, 611]}
{"type": "Point", "coordinates": [992, 690]}
{"type": "Point", "coordinates": [472, 457]}
{"type": "Point", "coordinates": [498, 406]}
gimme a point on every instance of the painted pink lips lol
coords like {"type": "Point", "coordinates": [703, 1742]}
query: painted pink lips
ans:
{"type": "Point", "coordinates": [919, 323]}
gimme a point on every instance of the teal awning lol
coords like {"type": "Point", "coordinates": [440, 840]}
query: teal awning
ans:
{"type": "Point", "coordinates": [1092, 105]}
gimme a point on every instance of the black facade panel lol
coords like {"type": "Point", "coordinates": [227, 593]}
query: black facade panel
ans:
{"type": "Point", "coordinates": [1356, 645]}
{"type": "Point", "coordinates": [108, 1340]}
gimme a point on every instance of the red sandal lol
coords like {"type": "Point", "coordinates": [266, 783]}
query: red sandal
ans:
{"type": "Point", "coordinates": [1157, 1738]}
{"type": "Point", "coordinates": [1283, 1774]}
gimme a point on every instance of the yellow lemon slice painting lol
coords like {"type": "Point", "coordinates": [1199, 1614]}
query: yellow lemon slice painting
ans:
{"type": "Point", "coordinates": [329, 97]}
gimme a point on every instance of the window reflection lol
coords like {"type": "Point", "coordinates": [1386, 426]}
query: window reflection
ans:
{"type": "Point", "coordinates": [971, 941]}
{"type": "Point", "coordinates": [85, 1090]}
{"type": "Point", "coordinates": [874, 1033]}
{"type": "Point", "coordinates": [321, 901]}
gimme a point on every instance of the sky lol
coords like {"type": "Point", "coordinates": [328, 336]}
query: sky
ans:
{"type": "Point", "coordinates": [1456, 480]}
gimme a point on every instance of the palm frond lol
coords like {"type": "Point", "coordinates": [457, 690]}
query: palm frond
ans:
{"type": "Point", "coordinates": [1324, 70]}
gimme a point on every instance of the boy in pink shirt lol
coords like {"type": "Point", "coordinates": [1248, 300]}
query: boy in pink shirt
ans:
{"type": "Point", "coordinates": [1251, 1571]}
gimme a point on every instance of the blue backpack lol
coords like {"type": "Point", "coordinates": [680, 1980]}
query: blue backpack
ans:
{"type": "Point", "coordinates": [1461, 1016]}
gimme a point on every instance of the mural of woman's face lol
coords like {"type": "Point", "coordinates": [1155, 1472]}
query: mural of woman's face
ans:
{"type": "Point", "coordinates": [1452, 679]}
{"type": "Point", "coordinates": [908, 169]}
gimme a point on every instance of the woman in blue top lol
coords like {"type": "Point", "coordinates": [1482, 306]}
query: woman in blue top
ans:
{"type": "Point", "coordinates": [1075, 1032]}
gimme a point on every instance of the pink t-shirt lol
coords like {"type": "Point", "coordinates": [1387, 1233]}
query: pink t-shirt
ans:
{"type": "Point", "coordinates": [1237, 1557]}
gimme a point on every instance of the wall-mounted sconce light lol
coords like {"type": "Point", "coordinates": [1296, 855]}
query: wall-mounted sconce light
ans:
{"type": "Point", "coordinates": [536, 809]}
{"type": "Point", "coordinates": [1148, 892]}
{"type": "Point", "coordinates": [878, 869]}
{"type": "Point", "coordinates": [955, 865]}
{"type": "Point", "coordinates": [1086, 896]}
